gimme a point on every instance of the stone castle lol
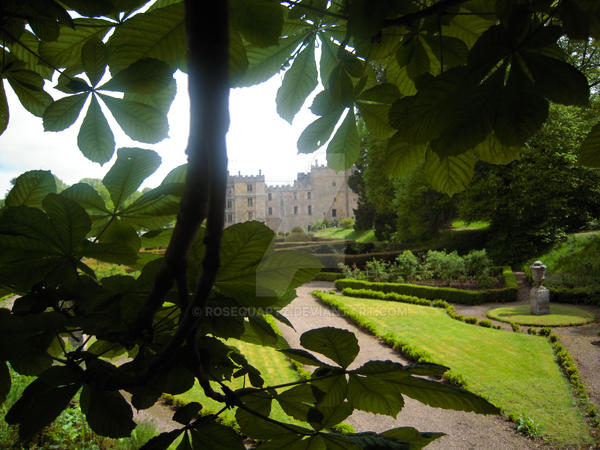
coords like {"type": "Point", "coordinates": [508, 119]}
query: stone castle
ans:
{"type": "Point", "coordinates": [319, 194]}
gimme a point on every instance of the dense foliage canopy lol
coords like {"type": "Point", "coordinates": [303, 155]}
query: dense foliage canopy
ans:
{"type": "Point", "coordinates": [444, 83]}
{"type": "Point", "coordinates": [532, 203]}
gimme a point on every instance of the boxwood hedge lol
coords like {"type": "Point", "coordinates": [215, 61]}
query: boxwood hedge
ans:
{"type": "Point", "coordinates": [463, 296]}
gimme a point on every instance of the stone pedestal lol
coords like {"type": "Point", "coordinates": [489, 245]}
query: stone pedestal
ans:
{"type": "Point", "coordinates": [539, 300]}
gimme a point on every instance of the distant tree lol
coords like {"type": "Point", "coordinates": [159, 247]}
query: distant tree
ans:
{"type": "Point", "coordinates": [422, 212]}
{"type": "Point", "coordinates": [365, 211]}
{"type": "Point", "coordinates": [534, 201]}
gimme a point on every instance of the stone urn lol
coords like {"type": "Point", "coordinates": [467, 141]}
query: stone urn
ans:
{"type": "Point", "coordinates": [539, 296]}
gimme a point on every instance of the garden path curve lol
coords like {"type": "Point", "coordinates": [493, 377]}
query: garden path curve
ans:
{"type": "Point", "coordinates": [463, 430]}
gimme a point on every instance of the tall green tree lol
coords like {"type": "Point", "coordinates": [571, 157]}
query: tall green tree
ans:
{"type": "Point", "coordinates": [533, 202]}
{"type": "Point", "coordinates": [465, 80]}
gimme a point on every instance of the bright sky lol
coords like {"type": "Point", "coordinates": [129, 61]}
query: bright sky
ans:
{"type": "Point", "coordinates": [258, 139]}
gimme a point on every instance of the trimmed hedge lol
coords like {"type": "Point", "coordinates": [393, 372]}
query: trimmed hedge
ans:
{"type": "Point", "coordinates": [332, 260]}
{"type": "Point", "coordinates": [462, 296]}
{"type": "Point", "coordinates": [328, 276]}
{"type": "Point", "coordinates": [576, 296]}
{"type": "Point", "coordinates": [391, 296]}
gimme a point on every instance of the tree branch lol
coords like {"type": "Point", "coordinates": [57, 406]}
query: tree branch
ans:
{"type": "Point", "coordinates": [206, 179]}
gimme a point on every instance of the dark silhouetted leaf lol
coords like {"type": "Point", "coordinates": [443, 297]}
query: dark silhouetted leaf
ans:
{"type": "Point", "coordinates": [337, 344]}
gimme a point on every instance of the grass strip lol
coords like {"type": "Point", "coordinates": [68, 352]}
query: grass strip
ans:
{"type": "Point", "coordinates": [560, 316]}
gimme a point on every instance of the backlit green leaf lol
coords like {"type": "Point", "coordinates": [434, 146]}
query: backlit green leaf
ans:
{"type": "Point", "coordinates": [161, 99]}
{"type": "Point", "coordinates": [30, 188]}
{"type": "Point", "coordinates": [263, 63]}
{"type": "Point", "coordinates": [138, 120]}
{"type": "Point", "coordinates": [413, 55]}
{"type": "Point", "coordinates": [493, 152]}
{"type": "Point", "coordinates": [372, 395]}
{"type": "Point", "coordinates": [449, 174]}
{"type": "Point", "coordinates": [344, 147]}
{"type": "Point", "coordinates": [66, 51]}
{"type": "Point", "coordinates": [238, 59]}
{"type": "Point", "coordinates": [158, 33]}
{"type": "Point", "coordinates": [62, 113]}
{"type": "Point", "coordinates": [28, 87]}
{"type": "Point", "coordinates": [94, 57]}
{"type": "Point", "coordinates": [145, 76]}
{"type": "Point", "coordinates": [95, 139]}
{"type": "Point", "coordinates": [317, 133]}
{"type": "Point", "coordinates": [70, 222]}
{"type": "Point", "coordinates": [337, 344]}
{"type": "Point", "coordinates": [329, 59]}
{"type": "Point", "coordinates": [260, 22]}
{"type": "Point", "coordinates": [21, 50]}
{"type": "Point", "coordinates": [299, 81]}
{"type": "Point", "coordinates": [375, 116]}
{"type": "Point", "coordinates": [132, 167]}
{"type": "Point", "coordinates": [403, 158]}
{"type": "Point", "coordinates": [154, 208]}
{"type": "Point", "coordinates": [88, 198]}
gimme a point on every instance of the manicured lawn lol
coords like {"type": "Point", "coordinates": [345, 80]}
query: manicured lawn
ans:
{"type": "Point", "coordinates": [274, 367]}
{"type": "Point", "coordinates": [560, 315]}
{"type": "Point", "coordinates": [515, 371]}
{"type": "Point", "coordinates": [462, 225]}
{"type": "Point", "coordinates": [340, 233]}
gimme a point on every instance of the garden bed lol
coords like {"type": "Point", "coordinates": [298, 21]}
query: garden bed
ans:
{"type": "Point", "coordinates": [464, 296]}
{"type": "Point", "coordinates": [560, 316]}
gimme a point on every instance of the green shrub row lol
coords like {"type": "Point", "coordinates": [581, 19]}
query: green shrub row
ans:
{"type": "Point", "coordinates": [576, 296]}
{"type": "Point", "coordinates": [328, 276]}
{"type": "Point", "coordinates": [571, 372]}
{"type": "Point", "coordinates": [392, 296]}
{"type": "Point", "coordinates": [462, 296]}
{"type": "Point", "coordinates": [332, 260]}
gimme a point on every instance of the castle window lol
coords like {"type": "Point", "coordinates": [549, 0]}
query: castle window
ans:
{"type": "Point", "coordinates": [333, 213]}
{"type": "Point", "coordinates": [308, 195]}
{"type": "Point", "coordinates": [270, 196]}
{"type": "Point", "coordinates": [249, 187]}
{"type": "Point", "coordinates": [250, 201]}
{"type": "Point", "coordinates": [270, 211]}
{"type": "Point", "coordinates": [310, 210]}
{"type": "Point", "coordinates": [229, 204]}
{"type": "Point", "coordinates": [295, 210]}
{"type": "Point", "coordinates": [229, 217]}
{"type": "Point", "coordinates": [333, 184]}
{"type": "Point", "coordinates": [250, 215]}
{"type": "Point", "coordinates": [295, 196]}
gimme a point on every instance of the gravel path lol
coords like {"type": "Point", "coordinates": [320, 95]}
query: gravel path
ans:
{"type": "Point", "coordinates": [464, 430]}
